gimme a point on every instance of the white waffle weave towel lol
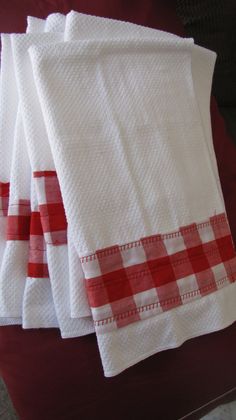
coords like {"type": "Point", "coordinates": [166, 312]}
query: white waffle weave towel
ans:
{"type": "Point", "coordinates": [49, 199]}
{"type": "Point", "coordinates": [80, 26]}
{"type": "Point", "coordinates": [140, 190]}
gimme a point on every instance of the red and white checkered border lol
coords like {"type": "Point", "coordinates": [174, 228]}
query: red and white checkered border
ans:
{"type": "Point", "coordinates": [134, 281]}
{"type": "Point", "coordinates": [37, 263]}
{"type": "Point", "coordinates": [18, 221]}
{"type": "Point", "coordinates": [51, 207]}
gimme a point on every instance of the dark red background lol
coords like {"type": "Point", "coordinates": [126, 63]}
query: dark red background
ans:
{"type": "Point", "coordinates": [53, 379]}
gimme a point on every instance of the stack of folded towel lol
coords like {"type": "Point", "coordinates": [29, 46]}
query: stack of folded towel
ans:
{"type": "Point", "coordinates": [112, 215]}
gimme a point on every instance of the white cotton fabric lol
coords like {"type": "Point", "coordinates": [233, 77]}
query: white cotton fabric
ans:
{"type": "Point", "coordinates": [15, 293]}
{"type": "Point", "coordinates": [55, 23]}
{"type": "Point", "coordinates": [127, 346]}
{"type": "Point", "coordinates": [41, 159]}
{"type": "Point", "coordinates": [38, 309]}
{"type": "Point", "coordinates": [38, 306]}
{"type": "Point", "coordinates": [80, 26]}
{"type": "Point", "coordinates": [112, 113]}
{"type": "Point", "coordinates": [15, 165]}
{"type": "Point", "coordinates": [126, 112]}
{"type": "Point", "coordinates": [35, 24]}
{"type": "Point", "coordinates": [8, 111]}
{"type": "Point", "coordinates": [15, 259]}
{"type": "Point", "coordinates": [79, 307]}
{"type": "Point", "coordinates": [118, 217]}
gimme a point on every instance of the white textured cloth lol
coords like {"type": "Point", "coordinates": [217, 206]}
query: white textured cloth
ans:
{"type": "Point", "coordinates": [38, 303]}
{"type": "Point", "coordinates": [41, 159]}
{"type": "Point", "coordinates": [38, 306]}
{"type": "Point", "coordinates": [8, 110]}
{"type": "Point", "coordinates": [15, 259]}
{"type": "Point", "coordinates": [137, 179]}
{"type": "Point", "coordinates": [80, 26]}
{"type": "Point", "coordinates": [38, 310]}
{"type": "Point", "coordinates": [35, 25]}
{"type": "Point", "coordinates": [55, 23]}
{"type": "Point", "coordinates": [78, 60]}
{"type": "Point", "coordinates": [77, 295]}
{"type": "Point", "coordinates": [18, 250]}
{"type": "Point", "coordinates": [118, 122]}
{"type": "Point", "coordinates": [16, 169]}
{"type": "Point", "coordinates": [16, 255]}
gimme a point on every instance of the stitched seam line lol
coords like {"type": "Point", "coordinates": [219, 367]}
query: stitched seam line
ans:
{"type": "Point", "coordinates": [155, 238]}
{"type": "Point", "coordinates": [155, 305]}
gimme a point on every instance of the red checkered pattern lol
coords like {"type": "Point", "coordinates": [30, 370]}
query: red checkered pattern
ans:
{"type": "Point", "coordinates": [4, 198]}
{"type": "Point", "coordinates": [134, 281]}
{"type": "Point", "coordinates": [37, 265]}
{"type": "Point", "coordinates": [51, 207]}
{"type": "Point", "coordinates": [18, 221]}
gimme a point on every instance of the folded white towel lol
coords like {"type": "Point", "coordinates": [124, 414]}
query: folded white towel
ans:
{"type": "Point", "coordinates": [15, 259]}
{"type": "Point", "coordinates": [35, 25]}
{"type": "Point", "coordinates": [80, 26]}
{"type": "Point", "coordinates": [38, 305]}
{"type": "Point", "coordinates": [37, 294]}
{"type": "Point", "coordinates": [14, 266]}
{"type": "Point", "coordinates": [15, 167]}
{"type": "Point", "coordinates": [47, 188]}
{"type": "Point", "coordinates": [140, 192]}
{"type": "Point", "coordinates": [127, 116]}
{"type": "Point", "coordinates": [8, 109]}
{"type": "Point", "coordinates": [55, 23]}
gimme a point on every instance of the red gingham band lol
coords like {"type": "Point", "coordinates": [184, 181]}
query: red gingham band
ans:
{"type": "Point", "coordinates": [134, 281]}
{"type": "Point", "coordinates": [4, 198]}
{"type": "Point", "coordinates": [37, 264]}
{"type": "Point", "coordinates": [18, 221]}
{"type": "Point", "coordinates": [51, 207]}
